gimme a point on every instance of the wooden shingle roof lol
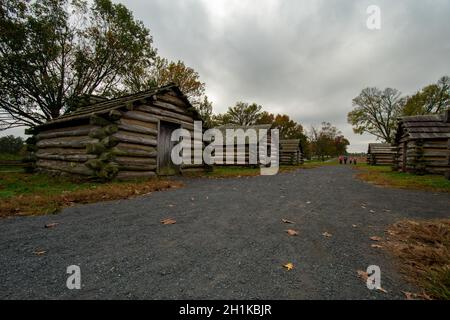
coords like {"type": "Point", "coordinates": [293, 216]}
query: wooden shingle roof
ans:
{"type": "Point", "coordinates": [423, 127]}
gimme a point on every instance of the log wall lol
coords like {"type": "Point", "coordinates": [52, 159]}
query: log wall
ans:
{"type": "Point", "coordinates": [120, 144]}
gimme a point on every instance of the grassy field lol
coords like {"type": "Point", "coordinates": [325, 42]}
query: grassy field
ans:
{"type": "Point", "coordinates": [242, 171]}
{"type": "Point", "coordinates": [384, 176]}
{"type": "Point", "coordinates": [423, 250]}
{"type": "Point", "coordinates": [35, 194]}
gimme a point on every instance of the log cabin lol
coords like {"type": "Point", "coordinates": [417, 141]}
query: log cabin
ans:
{"type": "Point", "coordinates": [422, 144]}
{"type": "Point", "coordinates": [380, 154]}
{"type": "Point", "coordinates": [246, 151]}
{"type": "Point", "coordinates": [124, 138]}
{"type": "Point", "coordinates": [291, 152]}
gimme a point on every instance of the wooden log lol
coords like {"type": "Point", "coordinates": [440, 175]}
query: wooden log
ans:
{"type": "Point", "coordinates": [133, 175]}
{"type": "Point", "coordinates": [65, 151]}
{"type": "Point", "coordinates": [108, 172]}
{"type": "Point", "coordinates": [66, 142]}
{"type": "Point", "coordinates": [138, 129]}
{"type": "Point", "coordinates": [170, 107]}
{"type": "Point", "coordinates": [172, 100]}
{"type": "Point", "coordinates": [163, 113]}
{"type": "Point", "coordinates": [64, 166]}
{"type": "Point", "coordinates": [140, 116]}
{"type": "Point", "coordinates": [95, 148]}
{"type": "Point", "coordinates": [95, 164]}
{"type": "Point", "coordinates": [115, 115]}
{"type": "Point", "coordinates": [122, 137]}
{"type": "Point", "coordinates": [135, 147]}
{"type": "Point", "coordinates": [131, 122]}
{"type": "Point", "coordinates": [135, 161]}
{"type": "Point", "coordinates": [70, 158]}
{"type": "Point", "coordinates": [110, 141]}
{"type": "Point", "coordinates": [133, 153]}
{"type": "Point", "coordinates": [66, 132]}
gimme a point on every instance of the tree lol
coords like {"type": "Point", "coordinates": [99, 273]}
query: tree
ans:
{"type": "Point", "coordinates": [53, 51]}
{"type": "Point", "coordinates": [375, 112]}
{"type": "Point", "coordinates": [432, 99]}
{"type": "Point", "coordinates": [242, 113]}
{"type": "Point", "coordinates": [204, 108]}
{"type": "Point", "coordinates": [327, 141]}
{"type": "Point", "coordinates": [163, 72]}
{"type": "Point", "coordinates": [11, 145]}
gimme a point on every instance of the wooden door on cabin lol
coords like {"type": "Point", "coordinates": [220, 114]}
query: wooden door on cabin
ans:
{"type": "Point", "coordinates": [165, 165]}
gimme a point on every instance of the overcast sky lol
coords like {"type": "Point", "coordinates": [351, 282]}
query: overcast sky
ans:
{"type": "Point", "coordinates": [305, 58]}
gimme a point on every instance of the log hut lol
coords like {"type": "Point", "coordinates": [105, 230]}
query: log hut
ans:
{"type": "Point", "coordinates": [124, 138]}
{"type": "Point", "coordinates": [422, 144]}
{"type": "Point", "coordinates": [291, 152]}
{"type": "Point", "coordinates": [242, 150]}
{"type": "Point", "coordinates": [380, 154]}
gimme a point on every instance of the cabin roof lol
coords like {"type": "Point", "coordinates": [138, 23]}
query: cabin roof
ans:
{"type": "Point", "coordinates": [423, 127]}
{"type": "Point", "coordinates": [285, 142]}
{"type": "Point", "coordinates": [379, 148]}
{"type": "Point", "coordinates": [103, 107]}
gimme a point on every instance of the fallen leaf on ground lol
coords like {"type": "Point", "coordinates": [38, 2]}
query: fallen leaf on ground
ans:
{"type": "Point", "coordinates": [40, 253]}
{"type": "Point", "coordinates": [363, 275]}
{"type": "Point", "coordinates": [168, 221]}
{"type": "Point", "coordinates": [51, 225]}
{"type": "Point", "coordinates": [409, 295]}
{"type": "Point", "coordinates": [289, 266]}
{"type": "Point", "coordinates": [382, 290]}
{"type": "Point", "coordinates": [326, 234]}
{"type": "Point", "coordinates": [376, 246]}
{"type": "Point", "coordinates": [375, 238]}
{"type": "Point", "coordinates": [287, 221]}
{"type": "Point", "coordinates": [292, 232]}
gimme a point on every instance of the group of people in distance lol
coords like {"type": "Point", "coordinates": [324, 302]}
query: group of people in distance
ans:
{"type": "Point", "coordinates": [345, 160]}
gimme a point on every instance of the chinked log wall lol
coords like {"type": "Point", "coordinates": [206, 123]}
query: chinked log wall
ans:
{"type": "Point", "coordinates": [122, 143]}
{"type": "Point", "coordinates": [424, 156]}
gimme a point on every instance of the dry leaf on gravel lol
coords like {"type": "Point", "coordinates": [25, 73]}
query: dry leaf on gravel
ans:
{"type": "Point", "coordinates": [287, 221]}
{"type": "Point", "coordinates": [382, 290]}
{"type": "Point", "coordinates": [326, 234]}
{"type": "Point", "coordinates": [50, 225]}
{"type": "Point", "coordinates": [363, 275]}
{"type": "Point", "coordinates": [40, 253]}
{"type": "Point", "coordinates": [292, 232]}
{"type": "Point", "coordinates": [168, 221]}
{"type": "Point", "coordinates": [376, 246]}
{"type": "Point", "coordinates": [289, 266]}
{"type": "Point", "coordinates": [374, 238]}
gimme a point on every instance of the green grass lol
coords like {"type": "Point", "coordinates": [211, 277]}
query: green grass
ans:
{"type": "Point", "coordinates": [38, 194]}
{"type": "Point", "coordinates": [384, 176]}
{"type": "Point", "coordinates": [18, 183]}
{"type": "Point", "coordinates": [7, 156]}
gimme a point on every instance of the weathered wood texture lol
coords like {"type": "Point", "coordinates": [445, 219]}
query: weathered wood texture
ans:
{"type": "Point", "coordinates": [380, 154]}
{"type": "Point", "coordinates": [117, 138]}
{"type": "Point", "coordinates": [423, 145]}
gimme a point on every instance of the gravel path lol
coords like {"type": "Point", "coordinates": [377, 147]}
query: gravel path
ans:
{"type": "Point", "coordinates": [228, 243]}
